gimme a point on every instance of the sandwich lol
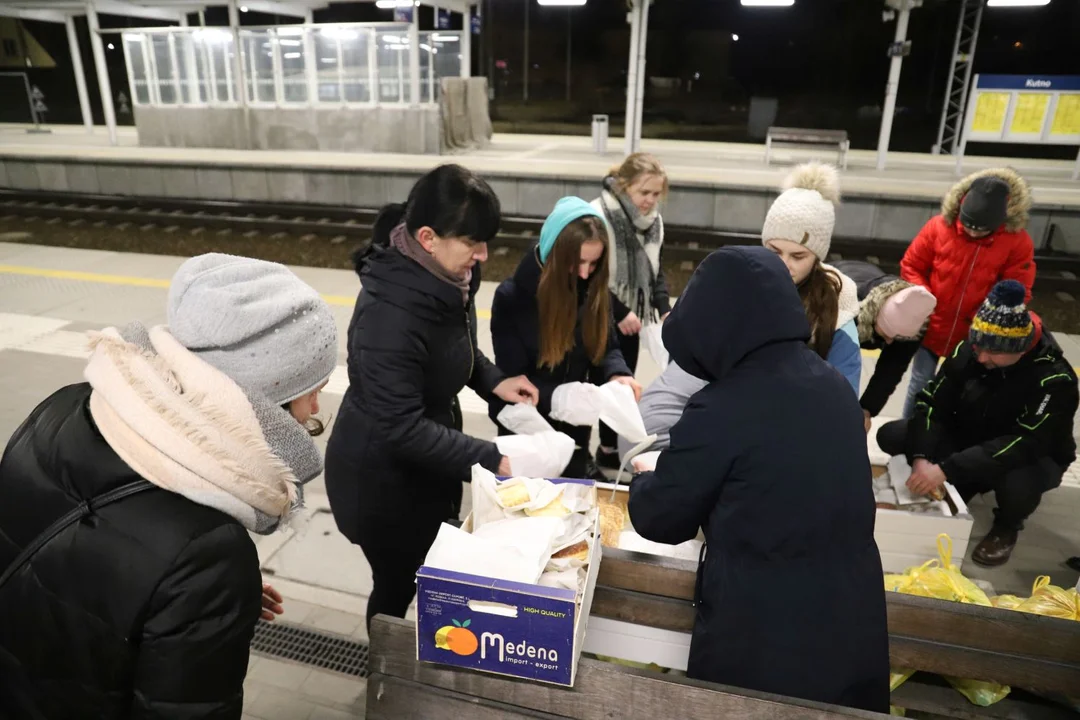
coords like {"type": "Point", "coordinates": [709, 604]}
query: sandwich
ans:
{"type": "Point", "coordinates": [612, 521]}
{"type": "Point", "coordinates": [555, 508]}
{"type": "Point", "coordinates": [511, 496]}
{"type": "Point", "coordinates": [577, 551]}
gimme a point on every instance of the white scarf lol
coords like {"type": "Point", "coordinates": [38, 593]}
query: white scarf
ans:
{"type": "Point", "coordinates": [188, 428]}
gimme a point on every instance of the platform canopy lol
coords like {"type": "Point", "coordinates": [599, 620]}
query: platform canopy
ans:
{"type": "Point", "coordinates": [176, 10]}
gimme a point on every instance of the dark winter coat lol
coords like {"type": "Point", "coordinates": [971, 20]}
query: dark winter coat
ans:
{"type": "Point", "coordinates": [770, 460]}
{"type": "Point", "coordinates": [397, 444]}
{"type": "Point", "coordinates": [146, 608]}
{"type": "Point", "coordinates": [961, 271]}
{"type": "Point", "coordinates": [875, 286]}
{"type": "Point", "coordinates": [997, 420]}
{"type": "Point", "coordinates": [515, 334]}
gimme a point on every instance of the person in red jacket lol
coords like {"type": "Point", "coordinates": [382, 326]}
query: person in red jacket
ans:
{"type": "Point", "coordinates": [978, 240]}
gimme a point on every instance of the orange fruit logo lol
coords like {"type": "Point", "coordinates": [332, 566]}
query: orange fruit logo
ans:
{"type": "Point", "coordinates": [457, 638]}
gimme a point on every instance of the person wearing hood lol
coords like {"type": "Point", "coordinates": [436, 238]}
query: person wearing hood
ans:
{"type": "Point", "coordinates": [892, 318]}
{"type": "Point", "coordinates": [998, 417]}
{"type": "Point", "coordinates": [630, 205]}
{"type": "Point", "coordinates": [798, 228]}
{"type": "Point", "coordinates": [552, 321]}
{"type": "Point", "coordinates": [397, 456]}
{"type": "Point", "coordinates": [976, 241]}
{"type": "Point", "coordinates": [770, 462]}
{"type": "Point", "coordinates": [129, 585]}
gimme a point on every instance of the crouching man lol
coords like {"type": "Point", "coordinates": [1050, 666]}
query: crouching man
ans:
{"type": "Point", "coordinates": [998, 417]}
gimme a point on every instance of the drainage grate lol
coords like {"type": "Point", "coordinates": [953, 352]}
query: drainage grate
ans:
{"type": "Point", "coordinates": [311, 647]}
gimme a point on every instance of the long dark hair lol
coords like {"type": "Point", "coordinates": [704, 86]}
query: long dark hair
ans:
{"type": "Point", "coordinates": [557, 296]}
{"type": "Point", "coordinates": [820, 294]}
{"type": "Point", "coordinates": [451, 200]}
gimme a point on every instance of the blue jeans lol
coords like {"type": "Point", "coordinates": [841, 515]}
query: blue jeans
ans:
{"type": "Point", "coordinates": [923, 369]}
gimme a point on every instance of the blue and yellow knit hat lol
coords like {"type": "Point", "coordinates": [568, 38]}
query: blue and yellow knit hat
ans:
{"type": "Point", "coordinates": [1003, 323]}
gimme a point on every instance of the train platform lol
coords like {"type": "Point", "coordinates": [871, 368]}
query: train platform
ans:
{"type": "Point", "coordinates": [50, 297]}
{"type": "Point", "coordinates": [724, 186]}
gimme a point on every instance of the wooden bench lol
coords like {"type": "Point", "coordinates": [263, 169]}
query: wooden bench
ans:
{"type": "Point", "coordinates": [800, 136]}
{"type": "Point", "coordinates": [402, 687]}
{"type": "Point", "coordinates": [1037, 653]}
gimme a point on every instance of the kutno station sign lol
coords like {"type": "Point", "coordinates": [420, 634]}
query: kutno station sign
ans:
{"type": "Point", "coordinates": [1023, 109]}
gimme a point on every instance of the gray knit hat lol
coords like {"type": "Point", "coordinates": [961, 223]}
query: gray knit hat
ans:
{"type": "Point", "coordinates": [256, 322]}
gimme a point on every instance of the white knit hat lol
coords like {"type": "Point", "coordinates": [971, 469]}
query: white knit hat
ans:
{"type": "Point", "coordinates": [806, 211]}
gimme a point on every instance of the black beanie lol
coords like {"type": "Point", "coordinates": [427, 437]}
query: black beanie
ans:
{"type": "Point", "coordinates": [986, 204]}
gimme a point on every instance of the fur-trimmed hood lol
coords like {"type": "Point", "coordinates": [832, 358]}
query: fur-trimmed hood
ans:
{"type": "Point", "coordinates": [1020, 200]}
{"type": "Point", "coordinates": [871, 306]}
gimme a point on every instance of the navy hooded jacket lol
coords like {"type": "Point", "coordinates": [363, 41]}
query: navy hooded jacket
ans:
{"type": "Point", "coordinates": [770, 460]}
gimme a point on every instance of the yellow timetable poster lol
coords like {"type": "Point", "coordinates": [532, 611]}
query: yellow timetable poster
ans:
{"type": "Point", "coordinates": [990, 112]}
{"type": "Point", "coordinates": [1029, 115]}
{"type": "Point", "coordinates": [1067, 117]}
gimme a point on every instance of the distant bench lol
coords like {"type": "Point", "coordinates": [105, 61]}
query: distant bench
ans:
{"type": "Point", "coordinates": [800, 136]}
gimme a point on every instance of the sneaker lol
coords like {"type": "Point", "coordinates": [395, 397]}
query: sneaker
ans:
{"type": "Point", "coordinates": [996, 548]}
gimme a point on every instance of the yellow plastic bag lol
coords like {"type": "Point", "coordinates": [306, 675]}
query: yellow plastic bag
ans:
{"type": "Point", "coordinates": [980, 692]}
{"type": "Point", "coordinates": [938, 579]}
{"type": "Point", "coordinates": [1051, 601]}
{"type": "Point", "coordinates": [942, 580]}
{"type": "Point", "coordinates": [1006, 602]}
{"type": "Point", "coordinates": [898, 676]}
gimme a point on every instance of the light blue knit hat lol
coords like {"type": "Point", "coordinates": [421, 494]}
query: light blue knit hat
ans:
{"type": "Point", "coordinates": [567, 210]}
{"type": "Point", "coordinates": [255, 321]}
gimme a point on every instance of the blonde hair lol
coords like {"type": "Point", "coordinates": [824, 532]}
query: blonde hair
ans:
{"type": "Point", "coordinates": [636, 165]}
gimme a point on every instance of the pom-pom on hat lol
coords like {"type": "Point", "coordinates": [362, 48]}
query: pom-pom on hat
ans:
{"type": "Point", "coordinates": [1003, 323]}
{"type": "Point", "coordinates": [805, 213]}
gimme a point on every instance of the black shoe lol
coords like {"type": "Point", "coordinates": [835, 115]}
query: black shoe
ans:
{"type": "Point", "coordinates": [607, 458]}
{"type": "Point", "coordinates": [996, 548]}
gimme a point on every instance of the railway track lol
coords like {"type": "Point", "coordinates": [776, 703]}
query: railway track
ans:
{"type": "Point", "coordinates": [684, 246]}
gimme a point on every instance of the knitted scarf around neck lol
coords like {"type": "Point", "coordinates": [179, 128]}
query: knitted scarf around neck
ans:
{"type": "Point", "coordinates": [634, 249]}
{"type": "Point", "coordinates": [410, 247]}
{"type": "Point", "coordinates": [188, 428]}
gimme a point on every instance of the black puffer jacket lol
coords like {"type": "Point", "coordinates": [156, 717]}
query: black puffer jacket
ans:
{"type": "Point", "coordinates": [397, 444]}
{"type": "Point", "coordinates": [875, 286]}
{"type": "Point", "coordinates": [769, 459]}
{"type": "Point", "coordinates": [515, 334]}
{"type": "Point", "coordinates": [144, 609]}
{"type": "Point", "coordinates": [994, 421]}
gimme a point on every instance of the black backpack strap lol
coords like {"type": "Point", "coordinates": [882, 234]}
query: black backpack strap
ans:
{"type": "Point", "coordinates": [74, 515]}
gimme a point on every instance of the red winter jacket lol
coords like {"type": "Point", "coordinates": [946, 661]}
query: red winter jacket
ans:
{"type": "Point", "coordinates": [959, 270]}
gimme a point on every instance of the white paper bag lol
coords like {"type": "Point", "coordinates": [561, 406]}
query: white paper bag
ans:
{"type": "Point", "coordinates": [576, 403]}
{"type": "Point", "coordinates": [458, 551]}
{"type": "Point", "coordinates": [541, 455]}
{"type": "Point", "coordinates": [523, 419]}
{"type": "Point", "coordinates": [652, 338]}
{"type": "Point", "coordinates": [533, 537]}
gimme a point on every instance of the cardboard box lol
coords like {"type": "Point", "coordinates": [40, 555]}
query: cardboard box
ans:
{"type": "Point", "coordinates": [506, 628]}
{"type": "Point", "coordinates": [907, 539]}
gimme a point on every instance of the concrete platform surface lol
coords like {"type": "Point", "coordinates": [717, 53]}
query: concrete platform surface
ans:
{"type": "Point", "coordinates": [49, 298]}
{"type": "Point", "coordinates": [570, 158]}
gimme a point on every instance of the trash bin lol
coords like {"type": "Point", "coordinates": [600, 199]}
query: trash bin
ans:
{"type": "Point", "coordinates": [599, 133]}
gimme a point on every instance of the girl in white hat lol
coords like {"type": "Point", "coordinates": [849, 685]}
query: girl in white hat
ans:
{"type": "Point", "coordinates": [799, 228]}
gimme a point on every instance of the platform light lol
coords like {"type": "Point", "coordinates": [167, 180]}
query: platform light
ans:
{"type": "Point", "coordinates": [768, 3]}
{"type": "Point", "coordinates": [1017, 3]}
{"type": "Point", "coordinates": [734, 37]}
{"type": "Point", "coordinates": [391, 4]}
{"type": "Point", "coordinates": [243, 8]}
{"type": "Point", "coordinates": [445, 38]}
{"type": "Point", "coordinates": [562, 3]}
{"type": "Point", "coordinates": [291, 56]}
{"type": "Point", "coordinates": [111, 46]}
